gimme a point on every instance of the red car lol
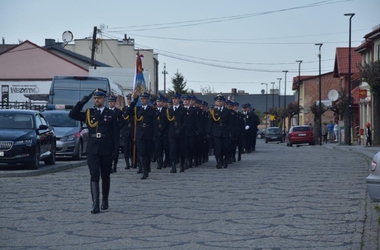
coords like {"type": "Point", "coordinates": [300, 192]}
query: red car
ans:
{"type": "Point", "coordinates": [300, 135]}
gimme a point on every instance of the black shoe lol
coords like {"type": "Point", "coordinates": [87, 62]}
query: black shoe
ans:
{"type": "Point", "coordinates": [127, 167]}
{"type": "Point", "coordinates": [95, 197]}
{"type": "Point", "coordinates": [182, 169]}
{"type": "Point", "coordinates": [104, 205]}
{"type": "Point", "coordinates": [174, 169]}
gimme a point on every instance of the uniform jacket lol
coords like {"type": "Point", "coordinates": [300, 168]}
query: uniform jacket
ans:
{"type": "Point", "coordinates": [191, 121]}
{"type": "Point", "coordinates": [146, 122]}
{"type": "Point", "coordinates": [128, 121]}
{"type": "Point", "coordinates": [162, 125]}
{"type": "Point", "coordinates": [220, 127]}
{"type": "Point", "coordinates": [119, 116]}
{"type": "Point", "coordinates": [104, 136]}
{"type": "Point", "coordinates": [177, 122]}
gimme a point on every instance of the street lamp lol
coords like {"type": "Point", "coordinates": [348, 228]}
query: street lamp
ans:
{"type": "Point", "coordinates": [164, 72]}
{"type": "Point", "coordinates": [320, 94]}
{"type": "Point", "coordinates": [266, 105]}
{"type": "Point", "coordinates": [298, 91]}
{"type": "Point", "coordinates": [285, 99]}
{"type": "Point", "coordinates": [349, 80]}
{"type": "Point", "coordinates": [279, 91]}
{"type": "Point", "coordinates": [273, 83]}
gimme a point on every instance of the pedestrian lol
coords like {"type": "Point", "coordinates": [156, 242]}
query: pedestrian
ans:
{"type": "Point", "coordinates": [330, 128]}
{"type": "Point", "coordinates": [220, 124]}
{"type": "Point", "coordinates": [145, 117]}
{"type": "Point", "coordinates": [127, 133]}
{"type": "Point", "coordinates": [177, 132]}
{"type": "Point", "coordinates": [336, 131]}
{"type": "Point", "coordinates": [325, 132]}
{"type": "Point", "coordinates": [368, 134]}
{"type": "Point", "coordinates": [102, 146]}
{"type": "Point", "coordinates": [161, 141]}
{"type": "Point", "coordinates": [119, 115]}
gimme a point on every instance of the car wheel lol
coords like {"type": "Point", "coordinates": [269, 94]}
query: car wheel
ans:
{"type": "Point", "coordinates": [282, 140]}
{"type": "Point", "coordinates": [78, 156]}
{"type": "Point", "coordinates": [35, 163]}
{"type": "Point", "coordinates": [51, 159]}
{"type": "Point", "coordinates": [311, 143]}
{"type": "Point", "coordinates": [266, 141]}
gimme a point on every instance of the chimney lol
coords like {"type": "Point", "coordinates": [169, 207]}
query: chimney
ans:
{"type": "Point", "coordinates": [49, 41]}
{"type": "Point", "coordinates": [3, 40]}
{"type": "Point", "coordinates": [233, 91]}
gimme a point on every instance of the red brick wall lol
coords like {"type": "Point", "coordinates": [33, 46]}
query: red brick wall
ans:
{"type": "Point", "coordinates": [311, 95]}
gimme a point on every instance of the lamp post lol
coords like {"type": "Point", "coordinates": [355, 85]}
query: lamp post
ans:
{"type": "Point", "coordinates": [279, 92]}
{"type": "Point", "coordinates": [164, 72]}
{"type": "Point", "coordinates": [298, 91]}
{"type": "Point", "coordinates": [266, 105]}
{"type": "Point", "coordinates": [349, 80]}
{"type": "Point", "coordinates": [284, 101]}
{"type": "Point", "coordinates": [273, 83]}
{"type": "Point", "coordinates": [320, 94]}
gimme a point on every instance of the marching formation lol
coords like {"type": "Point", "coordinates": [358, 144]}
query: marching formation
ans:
{"type": "Point", "coordinates": [179, 133]}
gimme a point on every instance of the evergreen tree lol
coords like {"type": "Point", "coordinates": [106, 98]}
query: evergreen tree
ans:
{"type": "Point", "coordinates": [179, 84]}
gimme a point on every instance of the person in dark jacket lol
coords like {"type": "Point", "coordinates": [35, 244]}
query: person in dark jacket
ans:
{"type": "Point", "coordinates": [220, 124]}
{"type": "Point", "coordinates": [102, 146]}
{"type": "Point", "coordinates": [368, 134]}
{"type": "Point", "coordinates": [161, 141]}
{"type": "Point", "coordinates": [127, 132]}
{"type": "Point", "coordinates": [119, 115]}
{"type": "Point", "coordinates": [177, 132]}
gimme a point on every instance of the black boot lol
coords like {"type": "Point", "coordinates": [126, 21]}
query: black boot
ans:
{"type": "Point", "coordinates": [234, 158]}
{"type": "Point", "coordinates": [218, 163]}
{"type": "Point", "coordinates": [159, 162]}
{"type": "Point", "coordinates": [139, 171]}
{"type": "Point", "coordinates": [127, 166]}
{"type": "Point", "coordinates": [95, 197]}
{"type": "Point", "coordinates": [114, 168]}
{"type": "Point", "coordinates": [105, 193]}
{"type": "Point", "coordinates": [225, 161]}
{"type": "Point", "coordinates": [143, 163]}
{"type": "Point", "coordinates": [134, 165]}
{"type": "Point", "coordinates": [174, 168]}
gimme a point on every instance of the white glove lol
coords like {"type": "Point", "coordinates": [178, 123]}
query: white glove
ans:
{"type": "Point", "coordinates": [247, 127]}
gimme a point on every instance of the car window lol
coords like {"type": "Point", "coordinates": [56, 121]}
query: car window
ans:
{"type": "Point", "coordinates": [273, 130]}
{"type": "Point", "coordinates": [60, 120]}
{"type": "Point", "coordinates": [301, 129]}
{"type": "Point", "coordinates": [43, 120]}
{"type": "Point", "coordinates": [38, 121]}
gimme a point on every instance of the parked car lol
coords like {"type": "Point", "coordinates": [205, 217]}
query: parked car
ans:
{"type": "Point", "coordinates": [260, 133]}
{"type": "Point", "coordinates": [72, 135]}
{"type": "Point", "coordinates": [26, 137]}
{"type": "Point", "coordinates": [373, 180]}
{"type": "Point", "coordinates": [300, 135]}
{"type": "Point", "coordinates": [273, 134]}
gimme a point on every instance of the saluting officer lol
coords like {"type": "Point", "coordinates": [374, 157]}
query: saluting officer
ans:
{"type": "Point", "coordinates": [102, 146]}
{"type": "Point", "coordinates": [119, 113]}
{"type": "Point", "coordinates": [161, 141]}
{"type": "Point", "coordinates": [220, 124]}
{"type": "Point", "coordinates": [145, 117]}
{"type": "Point", "coordinates": [127, 131]}
{"type": "Point", "coordinates": [177, 132]}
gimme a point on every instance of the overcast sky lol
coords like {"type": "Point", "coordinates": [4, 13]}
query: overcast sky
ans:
{"type": "Point", "coordinates": [214, 43]}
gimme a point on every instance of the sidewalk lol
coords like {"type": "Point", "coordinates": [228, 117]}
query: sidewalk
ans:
{"type": "Point", "coordinates": [362, 149]}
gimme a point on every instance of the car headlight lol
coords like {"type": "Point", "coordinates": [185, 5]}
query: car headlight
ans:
{"type": "Point", "coordinates": [24, 142]}
{"type": "Point", "coordinates": [68, 138]}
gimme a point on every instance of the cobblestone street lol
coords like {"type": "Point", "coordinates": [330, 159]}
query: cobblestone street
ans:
{"type": "Point", "coordinates": [279, 197]}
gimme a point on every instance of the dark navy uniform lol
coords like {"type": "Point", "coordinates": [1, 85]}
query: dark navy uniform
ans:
{"type": "Point", "coordinates": [177, 134]}
{"type": "Point", "coordinates": [127, 133]}
{"type": "Point", "coordinates": [220, 125]}
{"type": "Point", "coordinates": [119, 117]}
{"type": "Point", "coordinates": [102, 145]}
{"type": "Point", "coordinates": [161, 141]}
{"type": "Point", "coordinates": [146, 121]}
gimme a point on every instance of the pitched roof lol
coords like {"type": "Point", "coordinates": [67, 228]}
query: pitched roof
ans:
{"type": "Point", "coordinates": [5, 47]}
{"type": "Point", "coordinates": [28, 61]}
{"type": "Point", "coordinates": [342, 61]}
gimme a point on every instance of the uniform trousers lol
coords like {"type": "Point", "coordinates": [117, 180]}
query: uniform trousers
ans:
{"type": "Point", "coordinates": [99, 166]}
{"type": "Point", "coordinates": [221, 146]}
{"type": "Point", "coordinates": [177, 148]}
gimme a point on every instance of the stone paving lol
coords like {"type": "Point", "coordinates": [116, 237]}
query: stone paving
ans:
{"type": "Point", "coordinates": [279, 197]}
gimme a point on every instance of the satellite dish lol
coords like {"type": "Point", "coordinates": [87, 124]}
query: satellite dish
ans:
{"type": "Point", "coordinates": [67, 36]}
{"type": "Point", "coordinates": [333, 95]}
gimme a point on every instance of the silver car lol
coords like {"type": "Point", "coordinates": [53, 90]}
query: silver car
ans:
{"type": "Point", "coordinates": [373, 180]}
{"type": "Point", "coordinates": [72, 135]}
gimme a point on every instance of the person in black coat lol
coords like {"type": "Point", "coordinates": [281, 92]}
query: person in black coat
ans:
{"type": "Point", "coordinates": [220, 124]}
{"type": "Point", "coordinates": [161, 141]}
{"type": "Point", "coordinates": [177, 132]}
{"type": "Point", "coordinates": [127, 132]}
{"type": "Point", "coordinates": [191, 131]}
{"type": "Point", "coordinates": [146, 121]}
{"type": "Point", "coordinates": [119, 115]}
{"type": "Point", "coordinates": [102, 145]}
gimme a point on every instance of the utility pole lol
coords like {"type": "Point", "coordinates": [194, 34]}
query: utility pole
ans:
{"type": "Point", "coordinates": [279, 92]}
{"type": "Point", "coordinates": [93, 46]}
{"type": "Point", "coordinates": [164, 72]}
